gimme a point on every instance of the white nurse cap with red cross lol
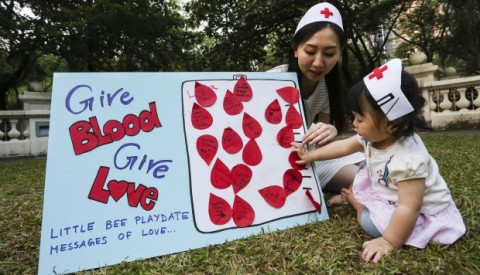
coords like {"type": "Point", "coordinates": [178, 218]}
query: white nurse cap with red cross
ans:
{"type": "Point", "coordinates": [384, 84]}
{"type": "Point", "coordinates": [320, 13]}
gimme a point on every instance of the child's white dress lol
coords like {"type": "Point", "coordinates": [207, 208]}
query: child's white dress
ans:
{"type": "Point", "coordinates": [375, 187]}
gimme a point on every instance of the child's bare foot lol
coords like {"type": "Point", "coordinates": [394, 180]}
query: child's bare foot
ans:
{"type": "Point", "coordinates": [350, 199]}
{"type": "Point", "coordinates": [336, 200]}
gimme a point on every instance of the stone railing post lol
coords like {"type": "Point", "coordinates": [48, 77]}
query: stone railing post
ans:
{"type": "Point", "coordinates": [38, 127]}
{"type": "Point", "coordinates": [424, 73]}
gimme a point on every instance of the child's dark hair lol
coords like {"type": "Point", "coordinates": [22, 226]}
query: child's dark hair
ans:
{"type": "Point", "coordinates": [403, 126]}
{"type": "Point", "coordinates": [335, 87]}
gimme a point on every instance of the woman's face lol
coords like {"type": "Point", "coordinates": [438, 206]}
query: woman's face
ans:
{"type": "Point", "coordinates": [318, 55]}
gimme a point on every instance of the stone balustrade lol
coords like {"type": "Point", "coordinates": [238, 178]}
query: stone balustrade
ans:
{"type": "Point", "coordinates": [452, 102]}
{"type": "Point", "coordinates": [25, 132]}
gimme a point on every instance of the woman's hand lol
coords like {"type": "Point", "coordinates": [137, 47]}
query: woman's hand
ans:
{"type": "Point", "coordinates": [320, 134]}
{"type": "Point", "coordinates": [375, 249]}
{"type": "Point", "coordinates": [302, 152]}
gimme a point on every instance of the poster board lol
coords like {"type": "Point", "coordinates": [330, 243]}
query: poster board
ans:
{"type": "Point", "coordinates": [147, 164]}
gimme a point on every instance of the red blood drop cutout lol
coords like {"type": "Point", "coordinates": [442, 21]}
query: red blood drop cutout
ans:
{"type": "Point", "coordinates": [293, 118]}
{"type": "Point", "coordinates": [242, 212]}
{"type": "Point", "coordinates": [219, 210]}
{"type": "Point", "coordinates": [292, 179]}
{"type": "Point", "coordinates": [231, 142]}
{"type": "Point", "coordinates": [251, 127]}
{"type": "Point", "coordinates": [273, 113]}
{"type": "Point", "coordinates": [232, 104]}
{"type": "Point", "coordinates": [240, 177]}
{"type": "Point", "coordinates": [289, 94]}
{"type": "Point", "coordinates": [294, 157]}
{"type": "Point", "coordinates": [317, 205]}
{"type": "Point", "coordinates": [201, 118]}
{"type": "Point", "coordinates": [243, 90]}
{"type": "Point", "coordinates": [251, 154]}
{"type": "Point", "coordinates": [285, 137]}
{"type": "Point", "coordinates": [220, 176]}
{"type": "Point", "coordinates": [204, 95]}
{"type": "Point", "coordinates": [274, 195]}
{"type": "Point", "coordinates": [207, 147]}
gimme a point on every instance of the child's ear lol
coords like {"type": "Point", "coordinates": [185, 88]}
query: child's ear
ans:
{"type": "Point", "coordinates": [389, 127]}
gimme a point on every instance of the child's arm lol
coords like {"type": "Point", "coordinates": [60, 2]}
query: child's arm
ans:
{"type": "Point", "coordinates": [402, 223]}
{"type": "Point", "coordinates": [332, 150]}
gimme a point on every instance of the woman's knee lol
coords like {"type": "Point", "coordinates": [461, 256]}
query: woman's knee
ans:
{"type": "Point", "coordinates": [342, 179]}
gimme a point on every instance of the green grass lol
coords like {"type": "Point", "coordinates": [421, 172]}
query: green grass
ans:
{"type": "Point", "coordinates": [331, 246]}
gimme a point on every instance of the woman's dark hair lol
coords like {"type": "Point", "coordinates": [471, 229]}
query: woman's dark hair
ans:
{"type": "Point", "coordinates": [403, 126]}
{"type": "Point", "coordinates": [335, 85]}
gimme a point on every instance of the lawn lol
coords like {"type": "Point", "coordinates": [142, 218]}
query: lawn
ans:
{"type": "Point", "coordinates": [331, 246]}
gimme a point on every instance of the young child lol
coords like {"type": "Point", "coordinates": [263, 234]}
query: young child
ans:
{"type": "Point", "coordinates": [399, 195]}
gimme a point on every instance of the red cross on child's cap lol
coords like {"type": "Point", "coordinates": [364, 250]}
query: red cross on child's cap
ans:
{"type": "Point", "coordinates": [320, 13]}
{"type": "Point", "coordinates": [384, 84]}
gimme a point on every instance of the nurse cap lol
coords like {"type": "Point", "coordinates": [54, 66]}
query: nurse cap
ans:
{"type": "Point", "coordinates": [323, 12]}
{"type": "Point", "coordinates": [384, 84]}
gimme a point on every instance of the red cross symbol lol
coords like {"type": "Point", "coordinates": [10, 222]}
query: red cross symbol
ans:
{"type": "Point", "coordinates": [326, 12]}
{"type": "Point", "coordinates": [377, 72]}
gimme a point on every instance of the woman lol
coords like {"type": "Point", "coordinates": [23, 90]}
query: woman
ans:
{"type": "Point", "coordinates": [316, 48]}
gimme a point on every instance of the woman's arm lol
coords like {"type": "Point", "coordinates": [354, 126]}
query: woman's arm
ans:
{"type": "Point", "coordinates": [332, 150]}
{"type": "Point", "coordinates": [402, 223]}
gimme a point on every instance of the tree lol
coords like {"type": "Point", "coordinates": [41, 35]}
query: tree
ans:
{"type": "Point", "coordinates": [20, 39]}
{"type": "Point", "coordinates": [424, 26]}
{"type": "Point", "coordinates": [362, 19]}
{"type": "Point", "coordinates": [255, 35]}
{"type": "Point", "coordinates": [92, 35]}
{"type": "Point", "coordinates": [464, 39]}
{"type": "Point", "coordinates": [239, 32]}
{"type": "Point", "coordinates": [121, 35]}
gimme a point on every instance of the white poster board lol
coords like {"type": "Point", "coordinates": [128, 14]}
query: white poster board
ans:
{"type": "Point", "coordinates": [146, 164]}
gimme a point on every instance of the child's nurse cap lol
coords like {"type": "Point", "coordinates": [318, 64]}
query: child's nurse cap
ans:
{"type": "Point", "coordinates": [323, 12]}
{"type": "Point", "coordinates": [384, 84]}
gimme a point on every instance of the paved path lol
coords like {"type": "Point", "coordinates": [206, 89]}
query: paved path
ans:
{"type": "Point", "coordinates": [470, 132]}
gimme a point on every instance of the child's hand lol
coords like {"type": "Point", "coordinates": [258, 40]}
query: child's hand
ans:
{"type": "Point", "coordinates": [302, 153]}
{"type": "Point", "coordinates": [375, 249]}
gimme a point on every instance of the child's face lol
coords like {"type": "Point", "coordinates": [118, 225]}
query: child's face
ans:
{"type": "Point", "coordinates": [318, 55]}
{"type": "Point", "coordinates": [373, 131]}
